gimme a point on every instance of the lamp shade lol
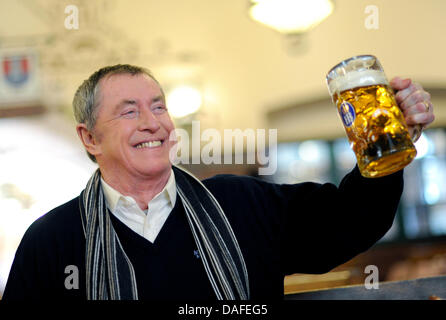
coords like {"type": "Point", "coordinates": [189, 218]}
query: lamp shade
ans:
{"type": "Point", "coordinates": [183, 100]}
{"type": "Point", "coordinates": [290, 16]}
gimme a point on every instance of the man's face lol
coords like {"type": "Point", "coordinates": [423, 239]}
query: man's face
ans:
{"type": "Point", "coordinates": [133, 126]}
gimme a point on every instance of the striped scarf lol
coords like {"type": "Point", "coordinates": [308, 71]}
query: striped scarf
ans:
{"type": "Point", "coordinates": [109, 272]}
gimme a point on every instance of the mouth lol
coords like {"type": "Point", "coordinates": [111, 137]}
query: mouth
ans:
{"type": "Point", "coordinates": [149, 144]}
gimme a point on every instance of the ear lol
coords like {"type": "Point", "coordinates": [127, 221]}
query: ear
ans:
{"type": "Point", "coordinates": [88, 139]}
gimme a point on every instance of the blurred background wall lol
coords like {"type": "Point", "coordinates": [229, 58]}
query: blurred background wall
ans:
{"type": "Point", "coordinates": [248, 76]}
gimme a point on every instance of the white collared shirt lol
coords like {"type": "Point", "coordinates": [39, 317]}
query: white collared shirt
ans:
{"type": "Point", "coordinates": [146, 223]}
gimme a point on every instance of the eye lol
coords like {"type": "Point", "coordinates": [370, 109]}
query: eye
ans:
{"type": "Point", "coordinates": [130, 113]}
{"type": "Point", "coordinates": [159, 108]}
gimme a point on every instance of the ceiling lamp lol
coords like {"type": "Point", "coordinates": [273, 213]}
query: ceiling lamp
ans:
{"type": "Point", "coordinates": [290, 16]}
{"type": "Point", "coordinates": [183, 101]}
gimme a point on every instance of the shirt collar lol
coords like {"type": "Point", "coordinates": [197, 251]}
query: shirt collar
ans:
{"type": "Point", "coordinates": [169, 191]}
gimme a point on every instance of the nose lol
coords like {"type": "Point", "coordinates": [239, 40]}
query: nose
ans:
{"type": "Point", "coordinates": [148, 121]}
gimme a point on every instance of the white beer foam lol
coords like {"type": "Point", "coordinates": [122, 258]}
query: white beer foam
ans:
{"type": "Point", "coordinates": [354, 79]}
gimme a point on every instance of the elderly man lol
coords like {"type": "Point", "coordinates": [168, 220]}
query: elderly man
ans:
{"type": "Point", "coordinates": [144, 229]}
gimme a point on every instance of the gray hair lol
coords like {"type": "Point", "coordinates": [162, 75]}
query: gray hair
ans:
{"type": "Point", "coordinates": [86, 98]}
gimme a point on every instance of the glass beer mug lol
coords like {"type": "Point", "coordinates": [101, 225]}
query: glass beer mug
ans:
{"type": "Point", "coordinates": [374, 123]}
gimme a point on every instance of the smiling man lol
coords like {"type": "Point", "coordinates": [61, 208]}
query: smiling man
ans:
{"type": "Point", "coordinates": [131, 132]}
{"type": "Point", "coordinates": [144, 229]}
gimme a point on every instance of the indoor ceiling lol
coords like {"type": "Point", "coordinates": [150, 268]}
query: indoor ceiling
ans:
{"type": "Point", "coordinates": [243, 68]}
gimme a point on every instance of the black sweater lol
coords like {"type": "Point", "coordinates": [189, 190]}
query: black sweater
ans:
{"type": "Point", "coordinates": [281, 229]}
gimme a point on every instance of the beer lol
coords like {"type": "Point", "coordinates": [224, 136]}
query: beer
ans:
{"type": "Point", "coordinates": [374, 123]}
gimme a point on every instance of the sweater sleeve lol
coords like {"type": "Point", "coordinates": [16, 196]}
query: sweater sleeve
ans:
{"type": "Point", "coordinates": [325, 225]}
{"type": "Point", "coordinates": [308, 227]}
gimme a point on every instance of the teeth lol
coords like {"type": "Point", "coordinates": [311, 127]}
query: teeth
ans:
{"type": "Point", "coordinates": [150, 144]}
